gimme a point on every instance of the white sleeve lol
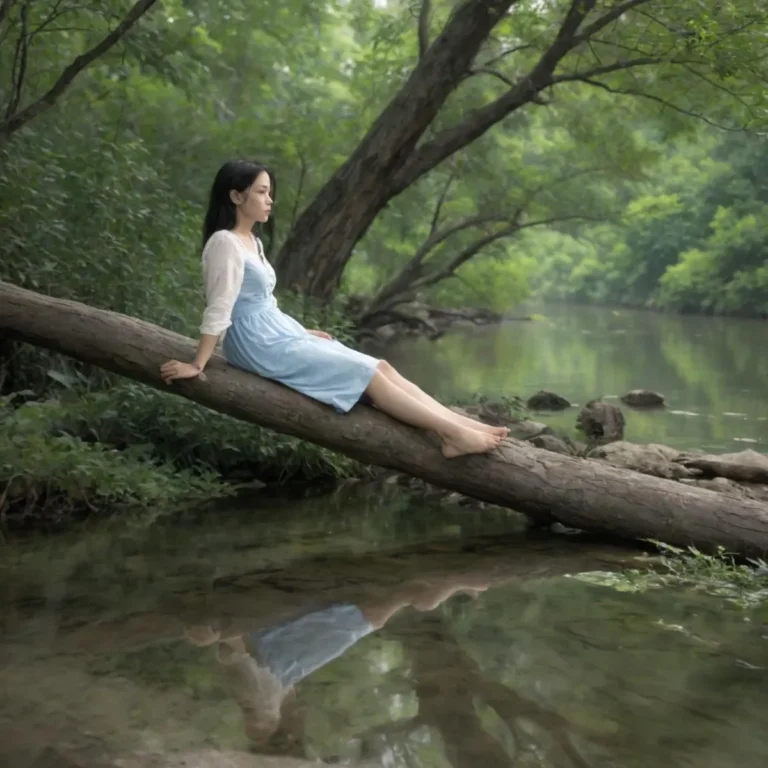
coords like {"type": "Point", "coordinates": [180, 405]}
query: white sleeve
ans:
{"type": "Point", "coordinates": [223, 267]}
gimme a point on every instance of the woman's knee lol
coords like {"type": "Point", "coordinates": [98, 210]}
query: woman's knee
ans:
{"type": "Point", "coordinates": [378, 382]}
{"type": "Point", "coordinates": [385, 368]}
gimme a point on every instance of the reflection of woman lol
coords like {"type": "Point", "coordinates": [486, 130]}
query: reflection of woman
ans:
{"type": "Point", "coordinates": [264, 666]}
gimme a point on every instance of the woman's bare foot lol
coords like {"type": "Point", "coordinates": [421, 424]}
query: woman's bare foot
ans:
{"type": "Point", "coordinates": [465, 441]}
{"type": "Point", "coordinates": [429, 596]}
{"type": "Point", "coordinates": [488, 429]}
{"type": "Point", "coordinates": [201, 635]}
{"type": "Point", "coordinates": [479, 426]}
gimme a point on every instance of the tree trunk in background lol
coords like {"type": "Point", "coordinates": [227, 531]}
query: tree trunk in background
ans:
{"type": "Point", "coordinates": [320, 245]}
{"type": "Point", "coordinates": [546, 486]}
{"type": "Point", "coordinates": [390, 158]}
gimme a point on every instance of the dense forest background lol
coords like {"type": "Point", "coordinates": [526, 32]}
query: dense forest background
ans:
{"type": "Point", "coordinates": [462, 154]}
{"type": "Point", "coordinates": [654, 199]}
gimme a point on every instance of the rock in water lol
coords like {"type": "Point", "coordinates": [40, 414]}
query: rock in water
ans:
{"type": "Point", "coordinates": [601, 422]}
{"type": "Point", "coordinates": [643, 398]}
{"type": "Point", "coordinates": [547, 401]}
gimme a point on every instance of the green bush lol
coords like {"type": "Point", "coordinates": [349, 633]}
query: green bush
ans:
{"type": "Point", "coordinates": [45, 471]}
{"type": "Point", "coordinates": [118, 235]}
{"type": "Point", "coordinates": [186, 435]}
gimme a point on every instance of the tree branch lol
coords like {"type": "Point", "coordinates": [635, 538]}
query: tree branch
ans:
{"type": "Point", "coordinates": [614, 14]}
{"type": "Point", "coordinates": [17, 120]}
{"type": "Point", "coordinates": [5, 7]}
{"type": "Point", "coordinates": [303, 168]}
{"type": "Point", "coordinates": [616, 66]}
{"type": "Point", "coordinates": [663, 102]}
{"type": "Point", "coordinates": [440, 201]}
{"type": "Point", "coordinates": [524, 91]}
{"type": "Point", "coordinates": [411, 276]}
{"type": "Point", "coordinates": [570, 176]}
{"type": "Point", "coordinates": [56, 13]}
{"type": "Point", "coordinates": [475, 221]}
{"type": "Point", "coordinates": [516, 49]}
{"type": "Point", "coordinates": [348, 200]}
{"type": "Point", "coordinates": [20, 59]}
{"type": "Point", "coordinates": [411, 272]}
{"type": "Point", "coordinates": [718, 86]}
{"type": "Point", "coordinates": [474, 248]}
{"type": "Point", "coordinates": [465, 255]}
{"type": "Point", "coordinates": [424, 28]}
{"type": "Point", "coordinates": [494, 73]}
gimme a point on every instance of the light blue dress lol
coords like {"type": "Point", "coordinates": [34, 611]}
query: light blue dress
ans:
{"type": "Point", "coordinates": [266, 341]}
{"type": "Point", "coordinates": [297, 647]}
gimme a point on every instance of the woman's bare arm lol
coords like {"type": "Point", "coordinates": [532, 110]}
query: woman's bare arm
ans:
{"type": "Point", "coordinates": [205, 348]}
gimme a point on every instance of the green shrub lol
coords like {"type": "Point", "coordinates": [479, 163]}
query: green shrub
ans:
{"type": "Point", "coordinates": [177, 432]}
{"type": "Point", "coordinates": [718, 574]}
{"type": "Point", "coordinates": [45, 471]}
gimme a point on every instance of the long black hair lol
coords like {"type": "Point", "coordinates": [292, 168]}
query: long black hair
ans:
{"type": "Point", "coordinates": [237, 175]}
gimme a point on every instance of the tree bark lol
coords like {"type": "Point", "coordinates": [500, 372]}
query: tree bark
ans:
{"type": "Point", "coordinates": [546, 486]}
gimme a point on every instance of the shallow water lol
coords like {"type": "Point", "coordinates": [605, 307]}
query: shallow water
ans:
{"type": "Point", "coordinates": [140, 644]}
{"type": "Point", "coordinates": [711, 370]}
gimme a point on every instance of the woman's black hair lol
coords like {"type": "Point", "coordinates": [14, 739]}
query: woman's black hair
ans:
{"type": "Point", "coordinates": [237, 175]}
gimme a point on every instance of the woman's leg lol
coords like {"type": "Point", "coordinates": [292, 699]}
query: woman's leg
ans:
{"type": "Point", "coordinates": [420, 395]}
{"type": "Point", "coordinates": [457, 439]}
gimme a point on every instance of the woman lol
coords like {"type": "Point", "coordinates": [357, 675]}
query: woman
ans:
{"type": "Point", "coordinates": [258, 337]}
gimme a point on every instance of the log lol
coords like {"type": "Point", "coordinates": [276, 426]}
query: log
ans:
{"type": "Point", "coordinates": [270, 593]}
{"type": "Point", "coordinates": [722, 466]}
{"type": "Point", "coordinates": [577, 492]}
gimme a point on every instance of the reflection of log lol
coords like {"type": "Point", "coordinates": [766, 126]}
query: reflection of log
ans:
{"type": "Point", "coordinates": [245, 602]}
{"type": "Point", "coordinates": [447, 703]}
{"type": "Point", "coordinates": [449, 680]}
{"type": "Point", "coordinates": [544, 485]}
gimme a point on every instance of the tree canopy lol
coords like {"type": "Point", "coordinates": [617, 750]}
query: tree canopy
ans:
{"type": "Point", "coordinates": [539, 123]}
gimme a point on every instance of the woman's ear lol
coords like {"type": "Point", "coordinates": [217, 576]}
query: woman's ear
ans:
{"type": "Point", "coordinates": [235, 196]}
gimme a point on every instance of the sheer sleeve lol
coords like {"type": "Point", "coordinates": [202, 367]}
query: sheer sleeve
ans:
{"type": "Point", "coordinates": [223, 266]}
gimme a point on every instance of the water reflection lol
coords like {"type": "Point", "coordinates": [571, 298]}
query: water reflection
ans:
{"type": "Point", "coordinates": [709, 370]}
{"type": "Point", "coordinates": [263, 666]}
{"type": "Point", "coordinates": [449, 653]}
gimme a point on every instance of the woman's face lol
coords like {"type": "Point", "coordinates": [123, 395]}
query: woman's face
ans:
{"type": "Point", "coordinates": [255, 203]}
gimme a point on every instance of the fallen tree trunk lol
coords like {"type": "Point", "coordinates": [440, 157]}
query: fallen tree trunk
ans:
{"type": "Point", "coordinates": [546, 486]}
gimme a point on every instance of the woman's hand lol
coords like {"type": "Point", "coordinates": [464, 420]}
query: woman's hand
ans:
{"type": "Point", "coordinates": [321, 334]}
{"type": "Point", "coordinates": [174, 369]}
